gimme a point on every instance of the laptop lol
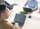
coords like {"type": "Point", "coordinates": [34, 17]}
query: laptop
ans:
{"type": "Point", "coordinates": [10, 6]}
{"type": "Point", "coordinates": [20, 19]}
{"type": "Point", "coordinates": [27, 9]}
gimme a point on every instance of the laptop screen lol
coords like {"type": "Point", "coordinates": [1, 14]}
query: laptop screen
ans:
{"type": "Point", "coordinates": [20, 17]}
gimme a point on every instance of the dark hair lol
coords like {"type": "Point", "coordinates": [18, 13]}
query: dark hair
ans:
{"type": "Point", "coordinates": [2, 8]}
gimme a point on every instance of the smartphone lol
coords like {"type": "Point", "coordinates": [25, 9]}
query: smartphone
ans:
{"type": "Point", "coordinates": [35, 18]}
{"type": "Point", "coordinates": [30, 16]}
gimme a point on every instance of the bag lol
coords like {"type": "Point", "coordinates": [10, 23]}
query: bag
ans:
{"type": "Point", "coordinates": [23, 12]}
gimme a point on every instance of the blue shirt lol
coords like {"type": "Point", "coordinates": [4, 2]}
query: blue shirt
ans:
{"type": "Point", "coordinates": [33, 4]}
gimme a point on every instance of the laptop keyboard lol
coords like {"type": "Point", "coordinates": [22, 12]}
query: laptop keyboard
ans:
{"type": "Point", "coordinates": [20, 23]}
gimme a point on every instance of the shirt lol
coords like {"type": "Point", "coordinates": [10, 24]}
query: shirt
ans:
{"type": "Point", "coordinates": [33, 4]}
{"type": "Point", "coordinates": [5, 25]}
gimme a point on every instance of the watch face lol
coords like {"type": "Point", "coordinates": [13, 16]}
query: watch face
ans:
{"type": "Point", "coordinates": [13, 23]}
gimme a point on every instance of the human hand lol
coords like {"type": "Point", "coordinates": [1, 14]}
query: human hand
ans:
{"type": "Point", "coordinates": [39, 10]}
{"type": "Point", "coordinates": [32, 9]}
{"type": "Point", "coordinates": [15, 24]}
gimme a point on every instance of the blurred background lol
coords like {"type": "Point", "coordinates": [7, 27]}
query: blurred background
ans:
{"type": "Point", "coordinates": [20, 2]}
{"type": "Point", "coordinates": [18, 8]}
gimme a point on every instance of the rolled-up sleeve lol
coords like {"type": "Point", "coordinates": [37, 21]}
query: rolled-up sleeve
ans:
{"type": "Point", "coordinates": [36, 5]}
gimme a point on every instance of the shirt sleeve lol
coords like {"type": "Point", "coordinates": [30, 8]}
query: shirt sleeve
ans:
{"type": "Point", "coordinates": [36, 5]}
{"type": "Point", "coordinates": [7, 3]}
{"type": "Point", "coordinates": [25, 4]}
{"type": "Point", "coordinates": [8, 26]}
{"type": "Point", "coordinates": [18, 27]}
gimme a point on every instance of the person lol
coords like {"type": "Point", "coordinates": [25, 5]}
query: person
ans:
{"type": "Point", "coordinates": [3, 15]}
{"type": "Point", "coordinates": [39, 10]}
{"type": "Point", "coordinates": [33, 4]}
{"type": "Point", "coordinates": [4, 2]}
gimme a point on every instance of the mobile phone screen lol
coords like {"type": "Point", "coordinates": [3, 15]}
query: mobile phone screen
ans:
{"type": "Point", "coordinates": [30, 16]}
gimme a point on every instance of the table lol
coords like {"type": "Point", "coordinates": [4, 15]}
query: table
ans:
{"type": "Point", "coordinates": [29, 23]}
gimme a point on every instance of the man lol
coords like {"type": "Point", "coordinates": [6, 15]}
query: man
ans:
{"type": "Point", "coordinates": [4, 2]}
{"type": "Point", "coordinates": [3, 15]}
{"type": "Point", "coordinates": [33, 4]}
